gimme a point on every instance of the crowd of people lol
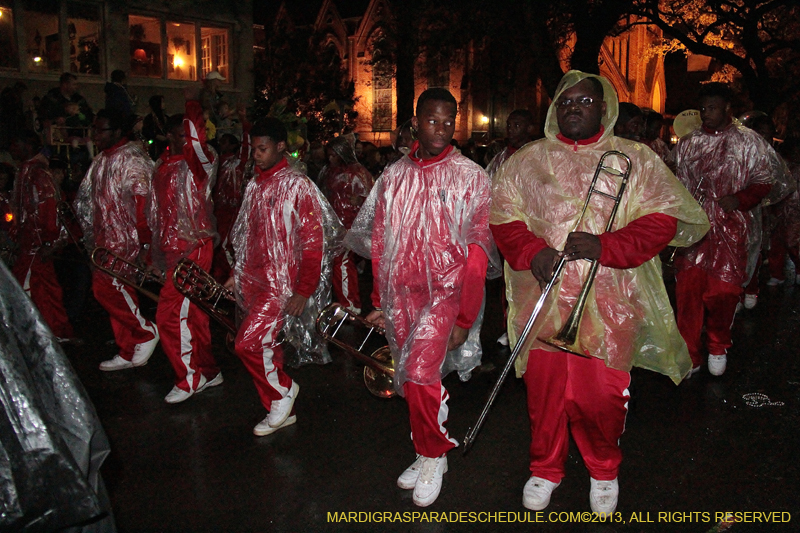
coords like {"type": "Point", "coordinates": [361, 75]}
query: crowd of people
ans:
{"type": "Point", "coordinates": [286, 236]}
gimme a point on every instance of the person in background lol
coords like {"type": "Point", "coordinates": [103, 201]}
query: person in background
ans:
{"type": "Point", "coordinates": [630, 123]}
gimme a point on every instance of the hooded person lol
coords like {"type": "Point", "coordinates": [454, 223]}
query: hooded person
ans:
{"type": "Point", "coordinates": [734, 163]}
{"type": "Point", "coordinates": [110, 207]}
{"type": "Point", "coordinates": [425, 226]}
{"type": "Point", "coordinates": [346, 183]}
{"type": "Point", "coordinates": [537, 199]}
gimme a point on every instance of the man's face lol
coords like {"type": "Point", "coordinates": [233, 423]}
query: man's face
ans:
{"type": "Point", "coordinates": [267, 153]}
{"type": "Point", "coordinates": [715, 112]}
{"type": "Point", "coordinates": [69, 87]}
{"type": "Point", "coordinates": [103, 135]}
{"type": "Point", "coordinates": [435, 125]}
{"type": "Point", "coordinates": [579, 111]}
{"type": "Point", "coordinates": [177, 139]}
{"type": "Point", "coordinates": [333, 158]}
{"type": "Point", "coordinates": [632, 129]}
{"type": "Point", "coordinates": [518, 130]}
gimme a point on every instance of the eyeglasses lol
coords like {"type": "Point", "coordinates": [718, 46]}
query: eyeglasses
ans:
{"type": "Point", "coordinates": [583, 101]}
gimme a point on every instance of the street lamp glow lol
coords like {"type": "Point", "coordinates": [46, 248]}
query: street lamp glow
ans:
{"type": "Point", "coordinates": [177, 62]}
{"type": "Point", "coordinates": [484, 119]}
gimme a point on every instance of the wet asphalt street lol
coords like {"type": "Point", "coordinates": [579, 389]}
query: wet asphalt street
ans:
{"type": "Point", "coordinates": [690, 451]}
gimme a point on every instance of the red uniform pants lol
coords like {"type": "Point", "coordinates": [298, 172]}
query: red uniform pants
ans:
{"type": "Point", "coordinates": [704, 299]}
{"type": "Point", "coordinates": [428, 411]}
{"type": "Point", "coordinates": [261, 353]}
{"type": "Point", "coordinates": [568, 393]}
{"type": "Point", "coordinates": [185, 335]}
{"type": "Point", "coordinates": [38, 279]}
{"type": "Point", "coordinates": [345, 281]}
{"type": "Point", "coordinates": [122, 303]}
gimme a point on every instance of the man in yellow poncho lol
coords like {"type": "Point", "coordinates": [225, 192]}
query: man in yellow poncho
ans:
{"type": "Point", "coordinates": [537, 200]}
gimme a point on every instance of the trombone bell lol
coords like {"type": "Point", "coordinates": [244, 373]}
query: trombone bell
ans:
{"type": "Point", "coordinates": [379, 369]}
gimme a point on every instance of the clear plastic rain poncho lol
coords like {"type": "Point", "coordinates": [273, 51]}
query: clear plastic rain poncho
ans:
{"type": "Point", "coordinates": [229, 188]}
{"type": "Point", "coordinates": [36, 198]}
{"type": "Point", "coordinates": [283, 215]}
{"type": "Point", "coordinates": [180, 212]}
{"type": "Point", "coordinates": [788, 212]}
{"type": "Point", "coordinates": [497, 161]}
{"type": "Point", "coordinates": [51, 442]}
{"type": "Point", "coordinates": [627, 320]}
{"type": "Point", "coordinates": [106, 204]}
{"type": "Point", "coordinates": [347, 186]}
{"type": "Point", "coordinates": [729, 161]}
{"type": "Point", "coordinates": [416, 226]}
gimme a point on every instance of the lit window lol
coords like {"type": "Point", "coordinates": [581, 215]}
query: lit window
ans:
{"type": "Point", "coordinates": [181, 58]}
{"type": "Point", "coordinates": [215, 51]}
{"type": "Point", "coordinates": [382, 96]}
{"type": "Point", "coordinates": [145, 46]}
{"type": "Point", "coordinates": [9, 59]}
{"type": "Point", "coordinates": [83, 32]}
{"type": "Point", "coordinates": [43, 47]}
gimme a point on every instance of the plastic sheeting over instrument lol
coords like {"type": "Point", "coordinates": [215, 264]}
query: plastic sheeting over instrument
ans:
{"type": "Point", "coordinates": [276, 225]}
{"type": "Point", "coordinates": [627, 319]}
{"type": "Point", "coordinates": [52, 443]}
{"type": "Point", "coordinates": [427, 216]}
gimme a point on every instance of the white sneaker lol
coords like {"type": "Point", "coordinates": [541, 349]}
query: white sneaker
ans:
{"type": "Point", "coordinates": [717, 364]}
{"type": "Point", "coordinates": [178, 395]}
{"type": "Point", "coordinates": [143, 351]}
{"type": "Point", "coordinates": [750, 300]}
{"type": "Point", "coordinates": [279, 410]}
{"type": "Point", "coordinates": [116, 363]}
{"type": "Point", "coordinates": [603, 496]}
{"type": "Point", "coordinates": [693, 371]}
{"type": "Point", "coordinates": [408, 479]}
{"type": "Point", "coordinates": [263, 428]}
{"type": "Point", "coordinates": [739, 307]}
{"type": "Point", "coordinates": [503, 340]}
{"type": "Point", "coordinates": [536, 494]}
{"type": "Point", "coordinates": [429, 482]}
{"type": "Point", "coordinates": [774, 282]}
{"type": "Point", "coordinates": [213, 382]}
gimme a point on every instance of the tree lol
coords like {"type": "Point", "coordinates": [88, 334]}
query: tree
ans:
{"type": "Point", "coordinates": [760, 39]}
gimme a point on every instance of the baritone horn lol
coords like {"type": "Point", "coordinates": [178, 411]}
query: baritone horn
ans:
{"type": "Point", "coordinates": [379, 370]}
{"type": "Point", "coordinates": [566, 338]}
{"type": "Point", "coordinates": [127, 272]}
{"type": "Point", "coordinates": [207, 293]}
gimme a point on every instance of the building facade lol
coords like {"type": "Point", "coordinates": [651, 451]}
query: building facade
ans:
{"type": "Point", "coordinates": [162, 46]}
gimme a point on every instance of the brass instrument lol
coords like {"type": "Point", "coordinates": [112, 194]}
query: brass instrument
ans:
{"type": "Point", "coordinates": [566, 339]}
{"type": "Point", "coordinates": [379, 370]}
{"type": "Point", "coordinates": [128, 273]}
{"type": "Point", "coordinates": [700, 197]}
{"type": "Point", "coordinates": [207, 293]}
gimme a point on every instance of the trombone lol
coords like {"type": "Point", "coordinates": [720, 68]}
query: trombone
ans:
{"type": "Point", "coordinates": [127, 272]}
{"type": "Point", "coordinates": [566, 338]}
{"type": "Point", "coordinates": [207, 293]}
{"type": "Point", "coordinates": [379, 369]}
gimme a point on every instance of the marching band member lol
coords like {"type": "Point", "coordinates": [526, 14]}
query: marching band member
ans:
{"type": "Point", "coordinates": [426, 228]}
{"type": "Point", "coordinates": [346, 183]}
{"type": "Point", "coordinates": [228, 191]}
{"type": "Point", "coordinates": [709, 279]}
{"type": "Point", "coordinates": [180, 216]}
{"type": "Point", "coordinates": [537, 197]}
{"type": "Point", "coordinates": [283, 239]}
{"type": "Point", "coordinates": [111, 210]}
{"type": "Point", "coordinates": [38, 231]}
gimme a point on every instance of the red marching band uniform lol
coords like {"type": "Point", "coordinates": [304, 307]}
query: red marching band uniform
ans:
{"type": "Point", "coordinates": [37, 232]}
{"type": "Point", "coordinates": [180, 214]}
{"type": "Point", "coordinates": [110, 207]}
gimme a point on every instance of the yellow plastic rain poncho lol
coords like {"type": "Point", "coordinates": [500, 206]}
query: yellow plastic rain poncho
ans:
{"type": "Point", "coordinates": [627, 319]}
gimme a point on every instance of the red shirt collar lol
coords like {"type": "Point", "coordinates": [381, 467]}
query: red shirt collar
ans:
{"type": "Point", "coordinates": [511, 150]}
{"type": "Point", "coordinates": [593, 139]}
{"type": "Point", "coordinates": [268, 173]}
{"type": "Point", "coordinates": [121, 142]}
{"type": "Point", "coordinates": [425, 162]}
